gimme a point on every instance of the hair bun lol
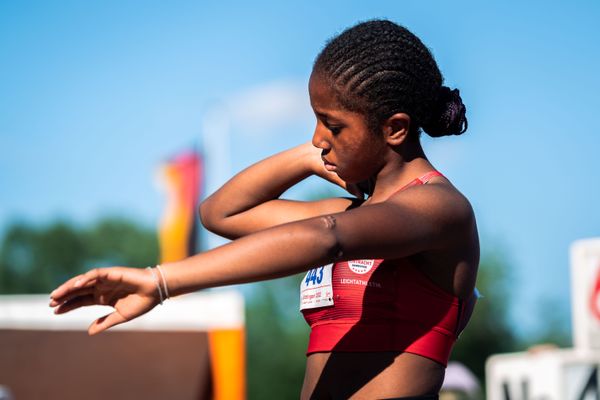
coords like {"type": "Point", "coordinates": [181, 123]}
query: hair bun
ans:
{"type": "Point", "coordinates": [448, 116]}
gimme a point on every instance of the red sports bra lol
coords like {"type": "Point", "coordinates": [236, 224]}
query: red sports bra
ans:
{"type": "Point", "coordinates": [386, 306]}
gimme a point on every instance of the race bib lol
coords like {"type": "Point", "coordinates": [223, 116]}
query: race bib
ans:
{"type": "Point", "coordinates": [316, 289]}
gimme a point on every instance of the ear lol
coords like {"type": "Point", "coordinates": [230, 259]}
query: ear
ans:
{"type": "Point", "coordinates": [396, 128]}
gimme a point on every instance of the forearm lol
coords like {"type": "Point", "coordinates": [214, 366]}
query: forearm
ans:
{"type": "Point", "coordinates": [272, 253]}
{"type": "Point", "coordinates": [261, 182]}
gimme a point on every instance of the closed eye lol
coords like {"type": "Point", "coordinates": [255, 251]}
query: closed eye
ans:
{"type": "Point", "coordinates": [335, 130]}
{"type": "Point", "coordinates": [326, 120]}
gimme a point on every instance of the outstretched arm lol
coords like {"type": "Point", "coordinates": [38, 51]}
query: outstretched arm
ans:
{"type": "Point", "coordinates": [249, 201]}
{"type": "Point", "coordinates": [430, 219]}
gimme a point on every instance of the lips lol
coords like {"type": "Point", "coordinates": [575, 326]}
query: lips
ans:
{"type": "Point", "coordinates": [329, 166]}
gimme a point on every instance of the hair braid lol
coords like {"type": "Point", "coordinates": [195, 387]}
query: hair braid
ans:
{"type": "Point", "coordinates": [379, 68]}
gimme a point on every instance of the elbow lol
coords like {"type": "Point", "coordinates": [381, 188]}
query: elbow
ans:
{"type": "Point", "coordinates": [329, 238]}
{"type": "Point", "coordinates": [208, 217]}
{"type": "Point", "coordinates": [215, 222]}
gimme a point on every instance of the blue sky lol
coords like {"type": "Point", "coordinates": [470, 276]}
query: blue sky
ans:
{"type": "Point", "coordinates": [95, 95]}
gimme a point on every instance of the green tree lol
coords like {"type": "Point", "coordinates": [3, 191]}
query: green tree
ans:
{"type": "Point", "coordinates": [556, 328]}
{"type": "Point", "coordinates": [35, 259]}
{"type": "Point", "coordinates": [489, 330]}
{"type": "Point", "coordinates": [117, 241]}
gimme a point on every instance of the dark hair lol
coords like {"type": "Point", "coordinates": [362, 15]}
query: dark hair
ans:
{"type": "Point", "coordinates": [378, 68]}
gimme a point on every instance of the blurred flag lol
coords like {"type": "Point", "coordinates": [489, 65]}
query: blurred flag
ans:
{"type": "Point", "coordinates": [182, 178]}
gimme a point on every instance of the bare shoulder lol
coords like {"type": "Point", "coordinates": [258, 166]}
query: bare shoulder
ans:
{"type": "Point", "coordinates": [441, 205]}
{"type": "Point", "coordinates": [440, 197]}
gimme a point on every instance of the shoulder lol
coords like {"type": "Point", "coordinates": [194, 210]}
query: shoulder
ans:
{"type": "Point", "coordinates": [439, 204]}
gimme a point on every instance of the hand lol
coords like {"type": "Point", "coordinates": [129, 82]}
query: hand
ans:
{"type": "Point", "coordinates": [130, 291]}
{"type": "Point", "coordinates": [316, 165]}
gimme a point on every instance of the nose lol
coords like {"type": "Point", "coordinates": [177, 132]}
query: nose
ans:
{"type": "Point", "coordinates": [319, 140]}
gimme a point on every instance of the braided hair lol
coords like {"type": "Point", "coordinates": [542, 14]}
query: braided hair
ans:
{"type": "Point", "coordinates": [378, 68]}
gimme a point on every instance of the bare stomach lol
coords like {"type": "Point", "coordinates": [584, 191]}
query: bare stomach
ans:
{"type": "Point", "coordinates": [377, 375]}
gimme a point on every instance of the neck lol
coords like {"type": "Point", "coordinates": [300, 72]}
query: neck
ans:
{"type": "Point", "coordinates": [402, 166]}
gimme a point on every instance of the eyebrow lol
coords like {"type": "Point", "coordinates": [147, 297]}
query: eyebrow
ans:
{"type": "Point", "coordinates": [327, 117]}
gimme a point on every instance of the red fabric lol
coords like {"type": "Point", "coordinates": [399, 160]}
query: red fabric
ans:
{"type": "Point", "coordinates": [385, 307]}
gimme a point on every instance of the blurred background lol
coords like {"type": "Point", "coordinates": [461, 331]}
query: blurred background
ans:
{"type": "Point", "coordinates": [96, 97]}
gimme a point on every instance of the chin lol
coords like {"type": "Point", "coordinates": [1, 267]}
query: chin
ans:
{"type": "Point", "coordinates": [352, 179]}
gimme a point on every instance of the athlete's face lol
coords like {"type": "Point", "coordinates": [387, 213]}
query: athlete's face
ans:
{"type": "Point", "coordinates": [348, 148]}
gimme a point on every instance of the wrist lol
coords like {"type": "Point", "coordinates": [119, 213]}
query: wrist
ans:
{"type": "Point", "coordinates": [171, 272]}
{"type": "Point", "coordinates": [163, 281]}
{"type": "Point", "coordinates": [310, 157]}
{"type": "Point", "coordinates": [160, 283]}
{"type": "Point", "coordinates": [157, 289]}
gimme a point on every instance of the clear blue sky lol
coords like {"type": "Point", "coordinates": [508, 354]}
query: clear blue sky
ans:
{"type": "Point", "coordinates": [95, 95]}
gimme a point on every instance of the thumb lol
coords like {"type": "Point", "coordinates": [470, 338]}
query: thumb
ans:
{"type": "Point", "coordinates": [103, 323]}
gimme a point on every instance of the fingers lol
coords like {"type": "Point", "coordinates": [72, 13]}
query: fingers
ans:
{"type": "Point", "coordinates": [72, 295]}
{"type": "Point", "coordinates": [80, 281]}
{"type": "Point", "coordinates": [57, 297]}
{"type": "Point", "coordinates": [114, 286]}
{"type": "Point", "coordinates": [103, 323]}
{"type": "Point", "coordinates": [80, 301]}
{"type": "Point", "coordinates": [73, 284]}
{"type": "Point", "coordinates": [98, 283]}
{"type": "Point", "coordinates": [99, 325]}
{"type": "Point", "coordinates": [87, 296]}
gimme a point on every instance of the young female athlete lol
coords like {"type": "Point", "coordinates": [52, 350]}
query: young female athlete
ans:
{"type": "Point", "coordinates": [390, 279]}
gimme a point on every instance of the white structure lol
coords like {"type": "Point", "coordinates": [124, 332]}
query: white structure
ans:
{"type": "Point", "coordinates": [585, 289]}
{"type": "Point", "coordinates": [559, 374]}
{"type": "Point", "coordinates": [176, 351]}
{"type": "Point", "coordinates": [207, 310]}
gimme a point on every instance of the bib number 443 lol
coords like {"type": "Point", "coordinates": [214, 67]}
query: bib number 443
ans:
{"type": "Point", "coordinates": [316, 289]}
{"type": "Point", "coordinates": [314, 276]}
